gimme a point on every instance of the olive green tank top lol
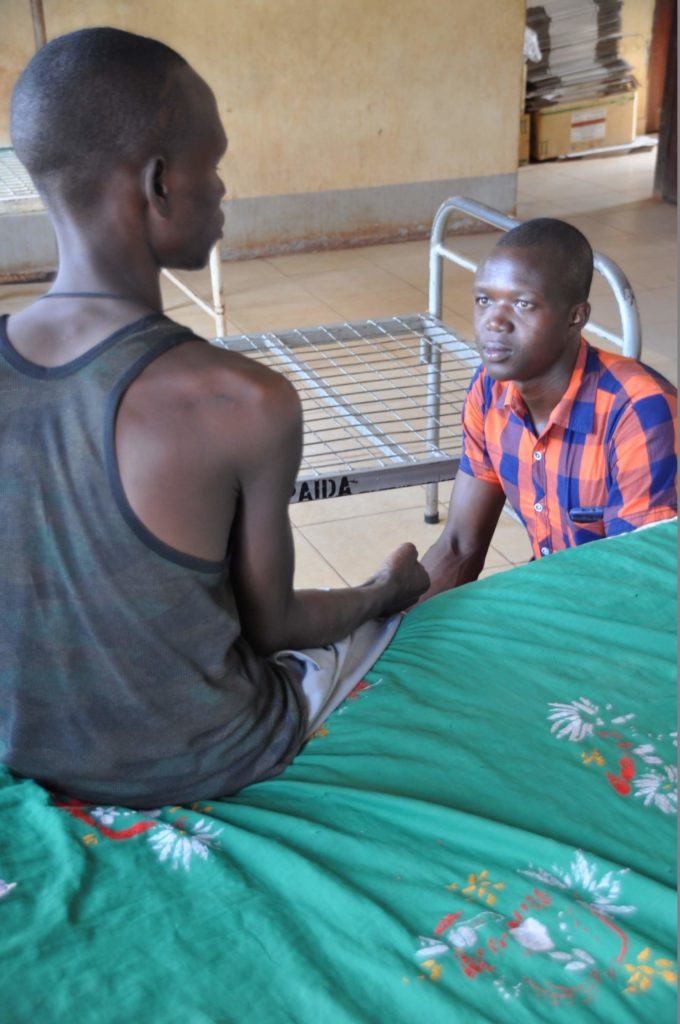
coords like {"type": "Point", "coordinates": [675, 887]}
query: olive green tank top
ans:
{"type": "Point", "coordinates": [124, 678]}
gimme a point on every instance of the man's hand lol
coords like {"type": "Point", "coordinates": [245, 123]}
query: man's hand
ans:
{"type": "Point", "coordinates": [402, 579]}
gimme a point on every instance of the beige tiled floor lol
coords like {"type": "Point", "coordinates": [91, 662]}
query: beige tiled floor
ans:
{"type": "Point", "coordinates": [342, 540]}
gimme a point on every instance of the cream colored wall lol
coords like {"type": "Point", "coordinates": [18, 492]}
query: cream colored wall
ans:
{"type": "Point", "coordinates": [637, 19]}
{"type": "Point", "coordinates": [16, 48]}
{"type": "Point", "coordinates": [331, 94]}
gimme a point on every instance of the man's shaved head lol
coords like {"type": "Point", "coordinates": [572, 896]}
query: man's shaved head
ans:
{"type": "Point", "coordinates": [92, 100]}
{"type": "Point", "coordinates": [568, 254]}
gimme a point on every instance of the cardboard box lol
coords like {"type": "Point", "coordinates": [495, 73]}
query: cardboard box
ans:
{"type": "Point", "coordinates": [587, 124]}
{"type": "Point", "coordinates": [524, 136]}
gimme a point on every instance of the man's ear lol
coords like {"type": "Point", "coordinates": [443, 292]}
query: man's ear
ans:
{"type": "Point", "coordinates": [154, 184]}
{"type": "Point", "coordinates": [580, 315]}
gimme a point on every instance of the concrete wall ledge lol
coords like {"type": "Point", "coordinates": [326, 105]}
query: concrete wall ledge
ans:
{"type": "Point", "coordinates": [27, 242]}
{"type": "Point", "coordinates": [303, 222]}
{"type": "Point", "coordinates": [274, 225]}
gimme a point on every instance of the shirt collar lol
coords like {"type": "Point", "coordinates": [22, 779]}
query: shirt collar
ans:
{"type": "Point", "coordinates": [576, 409]}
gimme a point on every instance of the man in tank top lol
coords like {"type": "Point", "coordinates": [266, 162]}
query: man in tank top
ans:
{"type": "Point", "coordinates": [147, 613]}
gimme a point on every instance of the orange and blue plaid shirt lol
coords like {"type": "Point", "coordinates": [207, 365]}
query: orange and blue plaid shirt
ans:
{"type": "Point", "coordinates": [605, 464]}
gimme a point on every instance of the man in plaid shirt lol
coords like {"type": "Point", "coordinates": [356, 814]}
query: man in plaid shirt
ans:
{"type": "Point", "coordinates": [581, 442]}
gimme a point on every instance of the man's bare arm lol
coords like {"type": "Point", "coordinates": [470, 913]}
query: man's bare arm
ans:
{"type": "Point", "coordinates": [457, 557]}
{"type": "Point", "coordinates": [273, 615]}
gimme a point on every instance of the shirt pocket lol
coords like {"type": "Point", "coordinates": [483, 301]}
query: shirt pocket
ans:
{"type": "Point", "coordinates": [586, 515]}
{"type": "Point", "coordinates": [586, 523]}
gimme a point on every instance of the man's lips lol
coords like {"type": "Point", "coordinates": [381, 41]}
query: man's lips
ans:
{"type": "Point", "coordinates": [495, 352]}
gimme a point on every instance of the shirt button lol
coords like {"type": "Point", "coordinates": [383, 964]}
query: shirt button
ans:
{"type": "Point", "coordinates": [538, 507]}
{"type": "Point", "coordinates": [545, 551]}
{"type": "Point", "coordinates": [538, 456]}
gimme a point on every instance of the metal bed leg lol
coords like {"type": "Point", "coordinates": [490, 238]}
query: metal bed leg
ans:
{"type": "Point", "coordinates": [431, 503]}
{"type": "Point", "coordinates": [434, 381]}
{"type": "Point", "coordinates": [216, 309]}
{"type": "Point", "coordinates": [217, 291]}
{"type": "Point", "coordinates": [432, 355]}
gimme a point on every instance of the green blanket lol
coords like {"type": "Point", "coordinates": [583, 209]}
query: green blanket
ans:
{"type": "Point", "coordinates": [484, 831]}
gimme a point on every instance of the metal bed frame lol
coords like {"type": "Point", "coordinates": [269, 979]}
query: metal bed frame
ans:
{"type": "Point", "coordinates": [382, 398]}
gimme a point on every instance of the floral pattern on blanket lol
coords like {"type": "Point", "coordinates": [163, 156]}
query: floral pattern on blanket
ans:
{"type": "Point", "coordinates": [6, 888]}
{"type": "Point", "coordinates": [352, 697]}
{"type": "Point", "coordinates": [569, 925]}
{"type": "Point", "coordinates": [635, 763]}
{"type": "Point", "coordinates": [178, 836]}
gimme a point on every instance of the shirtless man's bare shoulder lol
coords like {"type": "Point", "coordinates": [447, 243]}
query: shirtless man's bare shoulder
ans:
{"type": "Point", "coordinates": [187, 431]}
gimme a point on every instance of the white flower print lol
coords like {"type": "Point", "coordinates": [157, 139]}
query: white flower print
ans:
{"type": "Point", "coordinates": [647, 753]}
{"type": "Point", "coordinates": [574, 721]}
{"type": "Point", "coordinates": [622, 719]}
{"type": "Point", "coordinates": [576, 960]}
{"type": "Point", "coordinates": [430, 948]}
{"type": "Point", "coordinates": [659, 788]}
{"type": "Point", "coordinates": [533, 935]}
{"type": "Point", "coordinates": [106, 815]}
{"type": "Point", "coordinates": [581, 880]}
{"type": "Point", "coordinates": [179, 846]}
{"type": "Point", "coordinates": [463, 935]}
{"type": "Point", "coordinates": [6, 888]}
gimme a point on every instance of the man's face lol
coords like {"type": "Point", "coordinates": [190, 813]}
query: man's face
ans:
{"type": "Point", "coordinates": [193, 184]}
{"type": "Point", "coordinates": [523, 321]}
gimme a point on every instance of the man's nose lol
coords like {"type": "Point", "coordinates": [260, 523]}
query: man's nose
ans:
{"type": "Point", "coordinates": [498, 320]}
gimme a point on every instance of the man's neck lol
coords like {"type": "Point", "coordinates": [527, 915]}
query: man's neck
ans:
{"type": "Point", "coordinates": [112, 258]}
{"type": "Point", "coordinates": [542, 394]}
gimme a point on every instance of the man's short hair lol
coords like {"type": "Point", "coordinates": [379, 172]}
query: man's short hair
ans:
{"type": "Point", "coordinates": [567, 249]}
{"type": "Point", "coordinates": [90, 100]}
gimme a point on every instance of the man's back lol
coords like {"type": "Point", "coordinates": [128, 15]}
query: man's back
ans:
{"type": "Point", "coordinates": [157, 558]}
{"type": "Point", "coordinates": [124, 668]}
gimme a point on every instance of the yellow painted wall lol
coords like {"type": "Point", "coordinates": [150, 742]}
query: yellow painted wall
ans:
{"type": "Point", "coordinates": [636, 23]}
{"type": "Point", "coordinates": [329, 94]}
{"type": "Point", "coordinates": [16, 48]}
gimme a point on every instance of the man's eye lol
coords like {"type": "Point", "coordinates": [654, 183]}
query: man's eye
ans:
{"type": "Point", "coordinates": [481, 300]}
{"type": "Point", "coordinates": [524, 304]}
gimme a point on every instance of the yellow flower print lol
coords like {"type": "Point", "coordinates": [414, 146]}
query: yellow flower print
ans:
{"type": "Point", "coordinates": [642, 973]}
{"type": "Point", "coordinates": [480, 886]}
{"type": "Point", "coordinates": [594, 755]}
{"type": "Point", "coordinates": [433, 968]}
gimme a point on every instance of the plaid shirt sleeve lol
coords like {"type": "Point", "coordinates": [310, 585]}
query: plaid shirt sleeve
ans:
{"type": "Point", "coordinates": [475, 459]}
{"type": "Point", "coordinates": [643, 464]}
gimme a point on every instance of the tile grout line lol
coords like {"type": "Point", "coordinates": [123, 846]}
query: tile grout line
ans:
{"type": "Point", "coordinates": [368, 260]}
{"type": "Point", "coordinates": [501, 554]}
{"type": "Point", "coordinates": [317, 252]}
{"type": "Point", "coordinates": [359, 515]}
{"type": "Point", "coordinates": [322, 557]}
